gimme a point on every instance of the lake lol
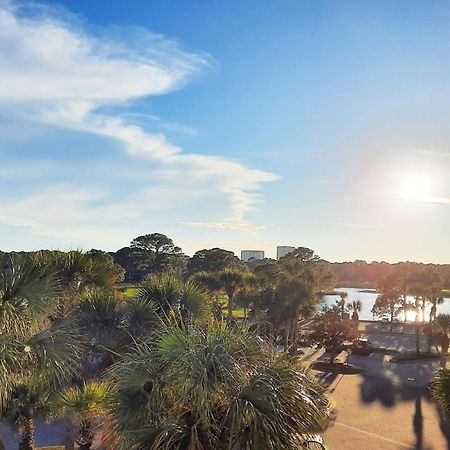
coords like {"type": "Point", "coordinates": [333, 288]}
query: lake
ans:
{"type": "Point", "coordinates": [368, 300]}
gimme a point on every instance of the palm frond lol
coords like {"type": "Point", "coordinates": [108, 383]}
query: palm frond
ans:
{"type": "Point", "coordinates": [440, 389]}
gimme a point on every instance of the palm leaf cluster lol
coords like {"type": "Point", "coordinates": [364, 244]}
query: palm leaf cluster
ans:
{"type": "Point", "coordinates": [35, 355]}
{"type": "Point", "coordinates": [212, 387]}
{"type": "Point", "coordinates": [440, 389]}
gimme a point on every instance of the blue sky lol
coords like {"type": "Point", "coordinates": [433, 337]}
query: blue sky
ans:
{"type": "Point", "coordinates": [233, 124]}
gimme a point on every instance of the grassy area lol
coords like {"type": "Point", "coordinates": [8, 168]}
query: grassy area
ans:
{"type": "Point", "coordinates": [53, 447]}
{"type": "Point", "coordinates": [238, 313]}
{"type": "Point", "coordinates": [130, 292]}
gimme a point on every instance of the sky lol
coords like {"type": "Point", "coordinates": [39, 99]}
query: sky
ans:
{"type": "Point", "coordinates": [241, 125]}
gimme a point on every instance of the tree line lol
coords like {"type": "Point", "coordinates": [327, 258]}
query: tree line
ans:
{"type": "Point", "coordinates": [156, 253]}
{"type": "Point", "coordinates": [363, 274]}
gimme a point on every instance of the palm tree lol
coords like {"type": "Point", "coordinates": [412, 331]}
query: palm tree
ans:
{"type": "Point", "coordinates": [84, 405]}
{"type": "Point", "coordinates": [24, 400]}
{"type": "Point", "coordinates": [442, 321]}
{"type": "Point", "coordinates": [356, 307]}
{"type": "Point", "coordinates": [32, 351]}
{"type": "Point", "coordinates": [341, 302]}
{"type": "Point", "coordinates": [293, 299]}
{"type": "Point", "coordinates": [27, 295]}
{"type": "Point", "coordinates": [168, 294]}
{"type": "Point", "coordinates": [99, 318]}
{"type": "Point", "coordinates": [212, 387]}
{"type": "Point", "coordinates": [230, 281]}
{"type": "Point", "coordinates": [436, 298]}
{"type": "Point", "coordinates": [251, 291]}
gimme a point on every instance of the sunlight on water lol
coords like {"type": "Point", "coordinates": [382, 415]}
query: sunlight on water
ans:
{"type": "Point", "coordinates": [368, 300]}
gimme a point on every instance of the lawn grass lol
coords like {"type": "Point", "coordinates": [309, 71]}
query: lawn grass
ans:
{"type": "Point", "coordinates": [52, 447]}
{"type": "Point", "coordinates": [130, 292]}
{"type": "Point", "coordinates": [238, 313]}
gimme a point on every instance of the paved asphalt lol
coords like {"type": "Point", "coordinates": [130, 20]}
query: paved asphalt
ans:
{"type": "Point", "coordinates": [387, 406]}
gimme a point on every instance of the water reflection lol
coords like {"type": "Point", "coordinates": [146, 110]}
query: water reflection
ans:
{"type": "Point", "coordinates": [368, 300]}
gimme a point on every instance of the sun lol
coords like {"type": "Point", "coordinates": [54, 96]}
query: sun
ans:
{"type": "Point", "coordinates": [415, 187]}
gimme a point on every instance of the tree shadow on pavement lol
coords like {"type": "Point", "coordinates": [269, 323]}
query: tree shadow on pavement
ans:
{"type": "Point", "coordinates": [418, 422]}
{"type": "Point", "coordinates": [389, 383]}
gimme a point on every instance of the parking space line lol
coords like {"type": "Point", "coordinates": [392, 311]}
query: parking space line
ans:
{"type": "Point", "coordinates": [368, 433]}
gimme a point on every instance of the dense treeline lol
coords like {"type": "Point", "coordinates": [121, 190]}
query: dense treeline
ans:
{"type": "Point", "coordinates": [157, 254]}
{"type": "Point", "coordinates": [363, 274]}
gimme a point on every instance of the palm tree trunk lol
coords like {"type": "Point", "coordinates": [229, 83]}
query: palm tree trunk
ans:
{"type": "Point", "coordinates": [332, 356]}
{"type": "Point", "coordinates": [404, 303]}
{"type": "Point", "coordinates": [230, 308]}
{"type": "Point", "coordinates": [86, 438]}
{"type": "Point", "coordinates": [69, 444]}
{"type": "Point", "coordinates": [391, 322]}
{"type": "Point", "coordinates": [27, 434]}
{"type": "Point", "coordinates": [417, 326]}
{"type": "Point", "coordinates": [417, 338]}
{"type": "Point", "coordinates": [433, 310]}
{"type": "Point", "coordinates": [293, 335]}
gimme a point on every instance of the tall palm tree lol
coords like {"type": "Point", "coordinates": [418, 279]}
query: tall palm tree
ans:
{"type": "Point", "coordinates": [293, 299]}
{"type": "Point", "coordinates": [25, 399]}
{"type": "Point", "coordinates": [230, 281]}
{"type": "Point", "coordinates": [436, 298]}
{"type": "Point", "coordinates": [356, 307]}
{"type": "Point", "coordinates": [248, 296]}
{"type": "Point", "coordinates": [212, 387]}
{"type": "Point", "coordinates": [84, 406]}
{"type": "Point", "coordinates": [341, 302]}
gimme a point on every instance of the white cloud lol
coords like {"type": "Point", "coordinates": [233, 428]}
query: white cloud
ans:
{"type": "Point", "coordinates": [70, 214]}
{"type": "Point", "coordinates": [56, 72]}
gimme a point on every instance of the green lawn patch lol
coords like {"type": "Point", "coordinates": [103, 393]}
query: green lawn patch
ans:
{"type": "Point", "coordinates": [238, 313]}
{"type": "Point", "coordinates": [130, 292]}
{"type": "Point", "coordinates": [53, 447]}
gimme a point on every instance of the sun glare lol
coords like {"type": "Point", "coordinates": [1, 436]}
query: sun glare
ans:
{"type": "Point", "coordinates": [415, 187]}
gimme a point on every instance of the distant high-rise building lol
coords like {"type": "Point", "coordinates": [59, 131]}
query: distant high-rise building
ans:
{"type": "Point", "coordinates": [283, 250]}
{"type": "Point", "coordinates": [247, 255]}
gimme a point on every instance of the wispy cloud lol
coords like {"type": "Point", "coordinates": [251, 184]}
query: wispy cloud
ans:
{"type": "Point", "coordinates": [70, 214]}
{"type": "Point", "coordinates": [56, 72]}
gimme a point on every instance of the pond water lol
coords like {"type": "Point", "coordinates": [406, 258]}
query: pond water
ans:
{"type": "Point", "coordinates": [368, 299]}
